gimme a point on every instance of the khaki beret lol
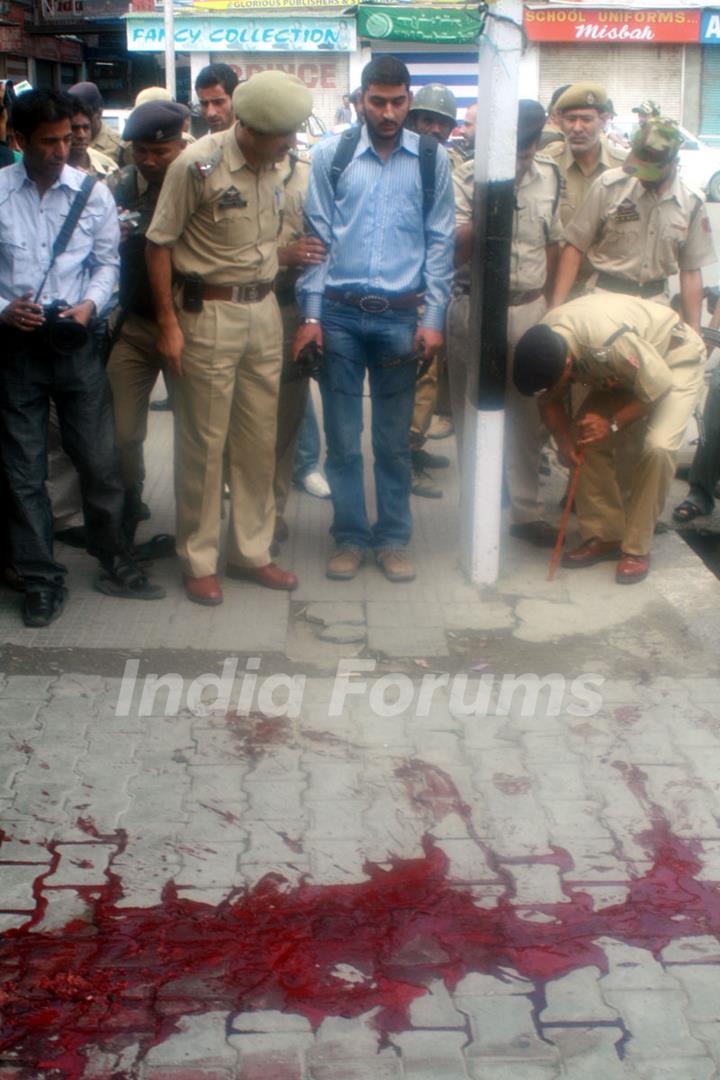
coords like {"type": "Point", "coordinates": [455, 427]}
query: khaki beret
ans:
{"type": "Point", "coordinates": [583, 95]}
{"type": "Point", "coordinates": [153, 93]}
{"type": "Point", "coordinates": [272, 102]}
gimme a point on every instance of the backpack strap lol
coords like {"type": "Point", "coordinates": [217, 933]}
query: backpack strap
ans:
{"type": "Point", "coordinates": [428, 158]}
{"type": "Point", "coordinates": [346, 147]}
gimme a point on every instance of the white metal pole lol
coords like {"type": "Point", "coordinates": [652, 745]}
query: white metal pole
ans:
{"type": "Point", "coordinates": [169, 19]}
{"type": "Point", "coordinates": [495, 153]}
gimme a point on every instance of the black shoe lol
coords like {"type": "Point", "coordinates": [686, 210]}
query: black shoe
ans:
{"type": "Point", "coordinates": [123, 578]}
{"type": "Point", "coordinates": [160, 546]}
{"type": "Point", "coordinates": [540, 533]}
{"type": "Point", "coordinates": [421, 459]}
{"type": "Point", "coordinates": [43, 606]}
{"type": "Point", "coordinates": [161, 406]}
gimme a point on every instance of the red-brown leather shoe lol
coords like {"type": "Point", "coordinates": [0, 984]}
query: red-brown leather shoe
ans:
{"type": "Point", "coordinates": [203, 590]}
{"type": "Point", "coordinates": [271, 576]}
{"type": "Point", "coordinates": [632, 568]}
{"type": "Point", "coordinates": [591, 552]}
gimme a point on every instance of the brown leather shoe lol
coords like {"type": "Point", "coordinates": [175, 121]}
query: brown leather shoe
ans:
{"type": "Point", "coordinates": [203, 590]}
{"type": "Point", "coordinates": [632, 568]}
{"type": "Point", "coordinates": [344, 564]}
{"type": "Point", "coordinates": [270, 576]}
{"type": "Point", "coordinates": [591, 552]}
{"type": "Point", "coordinates": [395, 564]}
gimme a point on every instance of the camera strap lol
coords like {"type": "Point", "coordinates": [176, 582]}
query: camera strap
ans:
{"type": "Point", "coordinates": [68, 226]}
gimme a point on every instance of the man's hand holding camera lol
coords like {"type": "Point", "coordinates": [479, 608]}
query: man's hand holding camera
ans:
{"type": "Point", "coordinates": [23, 313]}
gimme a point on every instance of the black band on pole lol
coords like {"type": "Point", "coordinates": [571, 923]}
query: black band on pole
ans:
{"type": "Point", "coordinates": [494, 206]}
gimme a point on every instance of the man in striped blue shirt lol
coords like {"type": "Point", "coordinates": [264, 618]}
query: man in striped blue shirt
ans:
{"type": "Point", "coordinates": [387, 256]}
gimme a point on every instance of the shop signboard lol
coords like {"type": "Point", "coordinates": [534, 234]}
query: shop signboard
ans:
{"type": "Point", "coordinates": [607, 26]}
{"type": "Point", "coordinates": [424, 24]}
{"type": "Point", "coordinates": [146, 33]}
{"type": "Point", "coordinates": [710, 27]}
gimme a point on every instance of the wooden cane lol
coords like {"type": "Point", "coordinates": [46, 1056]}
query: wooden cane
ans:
{"type": "Point", "coordinates": [570, 499]}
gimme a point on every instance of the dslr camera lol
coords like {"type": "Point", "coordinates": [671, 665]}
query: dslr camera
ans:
{"type": "Point", "coordinates": [63, 335]}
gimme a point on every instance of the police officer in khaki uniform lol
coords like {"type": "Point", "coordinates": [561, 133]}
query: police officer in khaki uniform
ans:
{"type": "Point", "coordinates": [104, 138]}
{"type": "Point", "coordinates": [585, 153]}
{"type": "Point", "coordinates": [640, 224]}
{"type": "Point", "coordinates": [83, 156]}
{"type": "Point", "coordinates": [296, 251]}
{"type": "Point", "coordinates": [433, 112]}
{"type": "Point", "coordinates": [214, 236]}
{"type": "Point", "coordinates": [154, 132]}
{"type": "Point", "coordinates": [643, 367]}
{"type": "Point", "coordinates": [536, 233]}
{"type": "Point", "coordinates": [647, 110]}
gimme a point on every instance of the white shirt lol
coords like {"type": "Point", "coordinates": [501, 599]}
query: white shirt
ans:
{"type": "Point", "coordinates": [29, 224]}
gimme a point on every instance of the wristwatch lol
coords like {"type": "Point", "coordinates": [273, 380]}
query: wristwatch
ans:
{"type": "Point", "coordinates": [614, 426]}
{"type": "Point", "coordinates": [311, 322]}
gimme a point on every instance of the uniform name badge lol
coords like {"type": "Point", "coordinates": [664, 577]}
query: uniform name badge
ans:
{"type": "Point", "coordinates": [231, 200]}
{"type": "Point", "coordinates": [626, 211]}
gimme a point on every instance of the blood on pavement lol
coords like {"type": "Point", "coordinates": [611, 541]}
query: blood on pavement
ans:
{"type": "Point", "coordinates": [126, 975]}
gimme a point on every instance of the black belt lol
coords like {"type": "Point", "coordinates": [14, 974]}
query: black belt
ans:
{"type": "Point", "coordinates": [515, 299]}
{"type": "Point", "coordinates": [375, 303]}
{"type": "Point", "coordinates": [630, 288]}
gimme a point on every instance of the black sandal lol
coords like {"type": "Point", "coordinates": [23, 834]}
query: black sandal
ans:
{"type": "Point", "coordinates": [687, 511]}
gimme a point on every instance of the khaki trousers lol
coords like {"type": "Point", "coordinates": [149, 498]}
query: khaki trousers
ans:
{"type": "Point", "coordinates": [132, 369]}
{"type": "Point", "coordinates": [292, 403]}
{"type": "Point", "coordinates": [426, 398]}
{"type": "Point", "coordinates": [227, 393]}
{"type": "Point", "coordinates": [524, 430]}
{"type": "Point", "coordinates": [624, 479]}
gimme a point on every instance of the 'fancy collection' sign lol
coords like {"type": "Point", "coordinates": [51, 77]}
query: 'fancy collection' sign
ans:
{"type": "Point", "coordinates": [146, 33]}
{"type": "Point", "coordinates": [608, 25]}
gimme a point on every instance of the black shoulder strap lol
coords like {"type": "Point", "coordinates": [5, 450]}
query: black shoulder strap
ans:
{"type": "Point", "coordinates": [68, 226]}
{"type": "Point", "coordinates": [79, 203]}
{"type": "Point", "coordinates": [346, 147]}
{"type": "Point", "coordinates": [428, 157]}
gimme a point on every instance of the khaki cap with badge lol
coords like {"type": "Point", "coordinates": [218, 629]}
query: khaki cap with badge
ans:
{"type": "Point", "coordinates": [653, 148]}
{"type": "Point", "coordinates": [583, 95]}
{"type": "Point", "coordinates": [272, 103]}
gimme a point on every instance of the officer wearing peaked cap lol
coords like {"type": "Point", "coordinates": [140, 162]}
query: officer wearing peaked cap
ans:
{"type": "Point", "coordinates": [585, 154]}
{"type": "Point", "coordinates": [212, 257]}
{"type": "Point", "coordinates": [154, 134]}
{"type": "Point", "coordinates": [641, 224]}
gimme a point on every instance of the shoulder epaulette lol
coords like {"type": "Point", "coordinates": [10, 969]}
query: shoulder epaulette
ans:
{"type": "Point", "coordinates": [203, 167]}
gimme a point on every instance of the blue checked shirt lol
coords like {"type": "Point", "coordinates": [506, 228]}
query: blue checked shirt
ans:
{"type": "Point", "coordinates": [87, 269]}
{"type": "Point", "coordinates": [374, 230]}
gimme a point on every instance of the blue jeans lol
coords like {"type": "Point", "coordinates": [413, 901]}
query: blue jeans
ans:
{"type": "Point", "coordinates": [307, 449]}
{"type": "Point", "coordinates": [383, 344]}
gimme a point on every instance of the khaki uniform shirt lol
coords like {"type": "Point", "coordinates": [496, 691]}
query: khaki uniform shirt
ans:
{"type": "Point", "coordinates": [100, 164]}
{"type": "Point", "coordinates": [221, 218]}
{"type": "Point", "coordinates": [575, 182]}
{"type": "Point", "coordinates": [536, 223]}
{"type": "Point", "coordinates": [632, 359]}
{"type": "Point", "coordinates": [295, 182]}
{"type": "Point", "coordinates": [630, 232]}
{"type": "Point", "coordinates": [108, 143]}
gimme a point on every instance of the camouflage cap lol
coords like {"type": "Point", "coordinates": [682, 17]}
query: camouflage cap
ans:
{"type": "Point", "coordinates": [272, 102]}
{"type": "Point", "coordinates": [583, 95]}
{"type": "Point", "coordinates": [647, 108]}
{"type": "Point", "coordinates": [653, 147]}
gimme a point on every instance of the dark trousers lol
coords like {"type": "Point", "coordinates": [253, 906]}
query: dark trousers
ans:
{"type": "Point", "coordinates": [31, 374]}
